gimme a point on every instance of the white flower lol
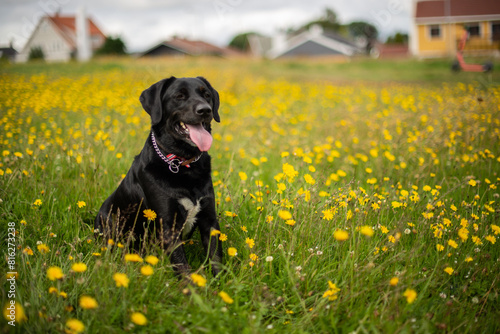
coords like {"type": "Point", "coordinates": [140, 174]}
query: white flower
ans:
{"type": "Point", "coordinates": [442, 295]}
{"type": "Point", "coordinates": [407, 231]}
{"type": "Point", "coordinates": [269, 259]}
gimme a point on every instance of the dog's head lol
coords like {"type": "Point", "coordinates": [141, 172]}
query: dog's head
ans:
{"type": "Point", "coordinates": [181, 110]}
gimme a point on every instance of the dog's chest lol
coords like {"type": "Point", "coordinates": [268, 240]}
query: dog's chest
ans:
{"type": "Point", "coordinates": [192, 210]}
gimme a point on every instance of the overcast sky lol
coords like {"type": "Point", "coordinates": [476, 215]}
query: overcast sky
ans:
{"type": "Point", "coordinates": [143, 23]}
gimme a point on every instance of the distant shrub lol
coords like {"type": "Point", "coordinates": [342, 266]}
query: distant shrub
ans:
{"type": "Point", "coordinates": [36, 53]}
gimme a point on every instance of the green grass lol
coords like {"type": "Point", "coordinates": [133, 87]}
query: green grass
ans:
{"type": "Point", "coordinates": [407, 148]}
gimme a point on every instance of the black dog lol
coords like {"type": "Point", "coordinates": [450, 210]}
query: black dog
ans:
{"type": "Point", "coordinates": [172, 174]}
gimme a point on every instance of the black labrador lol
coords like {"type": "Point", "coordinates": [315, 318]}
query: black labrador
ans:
{"type": "Point", "coordinates": [172, 174]}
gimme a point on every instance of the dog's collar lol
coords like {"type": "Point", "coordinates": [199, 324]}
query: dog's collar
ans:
{"type": "Point", "coordinates": [174, 162]}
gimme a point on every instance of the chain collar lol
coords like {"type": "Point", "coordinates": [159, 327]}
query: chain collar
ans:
{"type": "Point", "coordinates": [174, 162]}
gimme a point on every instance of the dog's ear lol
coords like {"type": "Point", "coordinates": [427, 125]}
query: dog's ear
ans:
{"type": "Point", "coordinates": [216, 101]}
{"type": "Point", "coordinates": [151, 99]}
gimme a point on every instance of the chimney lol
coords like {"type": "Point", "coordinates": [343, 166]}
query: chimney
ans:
{"type": "Point", "coordinates": [84, 51]}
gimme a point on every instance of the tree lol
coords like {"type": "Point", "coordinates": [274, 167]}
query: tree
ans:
{"type": "Point", "coordinates": [112, 46]}
{"type": "Point", "coordinates": [240, 41]}
{"type": "Point", "coordinates": [398, 38]}
{"type": "Point", "coordinates": [329, 21]}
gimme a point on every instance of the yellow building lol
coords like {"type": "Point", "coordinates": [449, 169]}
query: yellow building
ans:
{"type": "Point", "coordinates": [439, 24]}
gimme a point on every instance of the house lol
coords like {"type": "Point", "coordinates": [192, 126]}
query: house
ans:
{"type": "Point", "coordinates": [182, 47]}
{"type": "Point", "coordinates": [309, 43]}
{"type": "Point", "coordinates": [57, 37]}
{"type": "Point", "coordinates": [438, 26]}
{"type": "Point", "coordinates": [8, 53]}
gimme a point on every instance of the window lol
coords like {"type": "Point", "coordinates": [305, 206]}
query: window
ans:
{"type": "Point", "coordinates": [435, 31]}
{"type": "Point", "coordinates": [495, 31]}
{"type": "Point", "coordinates": [473, 29]}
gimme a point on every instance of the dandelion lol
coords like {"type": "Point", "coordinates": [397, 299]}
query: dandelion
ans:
{"type": "Point", "coordinates": [243, 176]}
{"type": "Point", "coordinates": [495, 228]}
{"type": "Point", "coordinates": [133, 258]}
{"type": "Point", "coordinates": [327, 214]}
{"type": "Point", "coordinates": [149, 214]}
{"type": "Point", "coordinates": [366, 230]}
{"type": "Point", "coordinates": [231, 251]}
{"type": "Point", "coordinates": [81, 204]}
{"type": "Point", "coordinates": [439, 247]}
{"type": "Point", "coordinates": [341, 235]}
{"type": "Point", "coordinates": [28, 251]}
{"type": "Point", "coordinates": [79, 267]}
{"type": "Point", "coordinates": [121, 280]}
{"type": "Point", "coordinates": [19, 314]}
{"type": "Point", "coordinates": [147, 270]}
{"type": "Point", "coordinates": [88, 303]}
{"type": "Point", "coordinates": [289, 172]}
{"type": "Point", "coordinates": [138, 319]}
{"type": "Point", "coordinates": [394, 281]}
{"type": "Point", "coordinates": [396, 204]}
{"type": "Point", "coordinates": [290, 222]}
{"type": "Point", "coordinates": [426, 188]}
{"type": "Point", "coordinates": [410, 295]}
{"type": "Point", "coordinates": [449, 270]}
{"type": "Point", "coordinates": [384, 229]}
{"type": "Point", "coordinates": [54, 273]}
{"type": "Point", "coordinates": [254, 257]}
{"type": "Point", "coordinates": [37, 202]}
{"type": "Point", "coordinates": [43, 248]}
{"type": "Point", "coordinates": [468, 259]}
{"type": "Point", "coordinates": [309, 179]}
{"type": "Point", "coordinates": [284, 214]}
{"type": "Point", "coordinates": [198, 280]}
{"type": "Point", "coordinates": [223, 237]}
{"type": "Point", "coordinates": [472, 183]}
{"type": "Point", "coordinates": [151, 259]}
{"type": "Point", "coordinates": [230, 214]}
{"type": "Point", "coordinates": [225, 297]}
{"type": "Point", "coordinates": [74, 326]}
{"type": "Point", "coordinates": [491, 239]}
{"type": "Point", "coordinates": [250, 242]}
{"type": "Point", "coordinates": [452, 243]}
{"type": "Point", "coordinates": [269, 259]}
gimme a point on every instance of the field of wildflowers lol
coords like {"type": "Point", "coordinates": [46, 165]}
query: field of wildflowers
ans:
{"type": "Point", "coordinates": [344, 207]}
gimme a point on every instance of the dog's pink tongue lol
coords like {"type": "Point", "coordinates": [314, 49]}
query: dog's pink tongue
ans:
{"type": "Point", "coordinates": [201, 137]}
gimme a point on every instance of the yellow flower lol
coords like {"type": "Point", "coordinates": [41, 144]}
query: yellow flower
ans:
{"type": "Point", "coordinates": [327, 214]}
{"type": "Point", "coordinates": [366, 230]}
{"type": "Point", "coordinates": [449, 270]}
{"type": "Point", "coordinates": [290, 222]}
{"type": "Point", "coordinates": [230, 214]}
{"type": "Point", "coordinates": [79, 267]}
{"type": "Point", "coordinates": [439, 247]}
{"type": "Point", "coordinates": [254, 257]}
{"type": "Point", "coordinates": [198, 280]}
{"type": "Point", "coordinates": [396, 204]}
{"type": "Point", "coordinates": [81, 204]}
{"type": "Point", "coordinates": [426, 188]}
{"type": "Point", "coordinates": [37, 202]}
{"type": "Point", "coordinates": [384, 229]}
{"type": "Point", "coordinates": [53, 290]}
{"type": "Point", "coordinates": [88, 303]}
{"type": "Point", "coordinates": [151, 259]}
{"type": "Point", "coordinates": [468, 259]}
{"type": "Point", "coordinates": [111, 242]}
{"type": "Point", "coordinates": [472, 183]}
{"type": "Point", "coordinates": [491, 239]}
{"type": "Point", "coordinates": [341, 235]}
{"type": "Point", "coordinates": [231, 251]}
{"type": "Point", "coordinates": [243, 176]}
{"type": "Point", "coordinates": [14, 311]}
{"type": "Point", "coordinates": [410, 295]}
{"type": "Point", "coordinates": [394, 281]}
{"type": "Point", "coordinates": [244, 228]}
{"type": "Point", "coordinates": [284, 214]}
{"type": "Point", "coordinates": [289, 172]}
{"type": "Point", "coordinates": [222, 237]}
{"type": "Point", "coordinates": [309, 179]}
{"type": "Point", "coordinates": [74, 326]}
{"type": "Point", "coordinates": [43, 248]}
{"type": "Point", "coordinates": [63, 294]}
{"type": "Point", "coordinates": [452, 243]}
{"type": "Point", "coordinates": [332, 291]}
{"type": "Point", "coordinates": [121, 280]}
{"type": "Point", "coordinates": [133, 258]}
{"type": "Point", "coordinates": [250, 242]}
{"type": "Point", "coordinates": [149, 214]}
{"type": "Point", "coordinates": [138, 318]}
{"type": "Point", "coordinates": [147, 270]}
{"type": "Point", "coordinates": [54, 273]}
{"type": "Point", "coordinates": [225, 297]}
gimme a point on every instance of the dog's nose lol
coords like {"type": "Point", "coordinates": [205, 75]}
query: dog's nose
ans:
{"type": "Point", "coordinates": [203, 109]}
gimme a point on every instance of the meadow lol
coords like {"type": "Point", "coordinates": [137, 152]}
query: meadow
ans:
{"type": "Point", "coordinates": [355, 197]}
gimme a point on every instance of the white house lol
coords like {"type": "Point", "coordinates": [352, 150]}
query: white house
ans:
{"type": "Point", "coordinates": [57, 37]}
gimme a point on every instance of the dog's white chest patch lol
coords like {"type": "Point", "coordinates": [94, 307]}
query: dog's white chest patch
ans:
{"type": "Point", "coordinates": [192, 210]}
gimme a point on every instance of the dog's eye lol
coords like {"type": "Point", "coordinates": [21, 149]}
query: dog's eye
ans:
{"type": "Point", "coordinates": [207, 95]}
{"type": "Point", "coordinates": [180, 96]}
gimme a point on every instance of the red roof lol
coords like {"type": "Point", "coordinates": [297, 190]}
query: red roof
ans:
{"type": "Point", "coordinates": [198, 47]}
{"type": "Point", "coordinates": [67, 26]}
{"type": "Point", "coordinates": [438, 8]}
